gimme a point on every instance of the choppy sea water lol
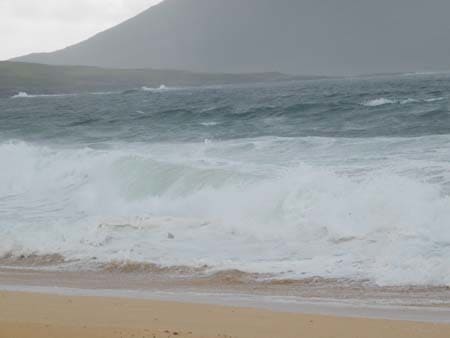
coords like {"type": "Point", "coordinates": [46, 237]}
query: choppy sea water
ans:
{"type": "Point", "coordinates": [333, 178]}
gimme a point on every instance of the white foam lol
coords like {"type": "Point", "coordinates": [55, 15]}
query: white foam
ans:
{"type": "Point", "coordinates": [384, 101]}
{"type": "Point", "coordinates": [273, 206]}
{"type": "Point", "coordinates": [409, 100]}
{"type": "Point", "coordinates": [435, 99]}
{"type": "Point", "coordinates": [209, 124]}
{"type": "Point", "coordinates": [26, 95]}
{"type": "Point", "coordinates": [20, 95]}
{"type": "Point", "coordinates": [161, 88]}
{"type": "Point", "coordinates": [378, 102]}
{"type": "Point", "coordinates": [443, 72]}
{"type": "Point", "coordinates": [104, 93]}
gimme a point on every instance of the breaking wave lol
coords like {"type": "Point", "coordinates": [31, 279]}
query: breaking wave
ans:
{"type": "Point", "coordinates": [294, 180]}
{"type": "Point", "coordinates": [378, 102]}
{"type": "Point", "coordinates": [171, 208]}
{"type": "Point", "coordinates": [161, 88]}
{"type": "Point", "coordinates": [384, 101]}
{"type": "Point", "coordinates": [26, 95]}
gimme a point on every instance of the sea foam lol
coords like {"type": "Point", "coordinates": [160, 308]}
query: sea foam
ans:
{"type": "Point", "coordinates": [161, 88]}
{"type": "Point", "coordinates": [22, 95]}
{"type": "Point", "coordinates": [385, 101]}
{"type": "Point", "coordinates": [386, 224]}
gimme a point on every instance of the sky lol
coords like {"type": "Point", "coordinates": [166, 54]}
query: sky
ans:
{"type": "Point", "coordinates": [28, 26]}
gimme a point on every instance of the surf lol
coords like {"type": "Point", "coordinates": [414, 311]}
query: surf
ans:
{"type": "Point", "coordinates": [294, 221]}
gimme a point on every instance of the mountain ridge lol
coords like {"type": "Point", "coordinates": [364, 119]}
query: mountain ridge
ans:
{"type": "Point", "coordinates": [290, 36]}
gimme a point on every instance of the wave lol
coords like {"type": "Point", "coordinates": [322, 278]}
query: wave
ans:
{"type": "Point", "coordinates": [9, 259]}
{"type": "Point", "coordinates": [209, 124]}
{"type": "Point", "coordinates": [192, 206]}
{"type": "Point", "coordinates": [20, 95]}
{"type": "Point", "coordinates": [426, 73]}
{"type": "Point", "coordinates": [161, 88]}
{"type": "Point", "coordinates": [435, 99]}
{"type": "Point", "coordinates": [26, 95]}
{"type": "Point", "coordinates": [408, 101]}
{"type": "Point", "coordinates": [385, 101]}
{"type": "Point", "coordinates": [378, 102]}
{"type": "Point", "coordinates": [104, 93]}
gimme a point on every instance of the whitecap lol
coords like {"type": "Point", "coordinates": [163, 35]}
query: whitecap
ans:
{"type": "Point", "coordinates": [161, 88]}
{"type": "Point", "coordinates": [378, 102]}
{"type": "Point", "coordinates": [26, 95]}
{"type": "Point", "coordinates": [384, 101]}
{"type": "Point", "coordinates": [20, 95]}
{"type": "Point", "coordinates": [409, 100]}
{"type": "Point", "coordinates": [435, 99]}
{"type": "Point", "coordinates": [209, 124]}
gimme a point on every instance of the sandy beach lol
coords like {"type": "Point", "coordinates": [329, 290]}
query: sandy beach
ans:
{"type": "Point", "coordinates": [24, 315]}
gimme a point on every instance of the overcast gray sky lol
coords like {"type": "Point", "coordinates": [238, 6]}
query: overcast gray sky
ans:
{"type": "Point", "coordinates": [24, 23]}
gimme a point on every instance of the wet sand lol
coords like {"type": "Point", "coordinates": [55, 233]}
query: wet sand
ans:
{"type": "Point", "coordinates": [227, 287]}
{"type": "Point", "coordinates": [31, 315]}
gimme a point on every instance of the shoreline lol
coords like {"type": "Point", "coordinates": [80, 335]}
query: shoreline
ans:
{"type": "Point", "coordinates": [36, 302]}
{"type": "Point", "coordinates": [293, 305]}
{"type": "Point", "coordinates": [229, 282]}
{"type": "Point", "coordinates": [318, 296]}
{"type": "Point", "coordinates": [36, 315]}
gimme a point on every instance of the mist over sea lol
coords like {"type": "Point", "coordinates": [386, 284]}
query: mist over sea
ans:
{"type": "Point", "coordinates": [344, 178]}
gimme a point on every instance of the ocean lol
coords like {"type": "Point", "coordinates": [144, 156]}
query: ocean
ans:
{"type": "Point", "coordinates": [336, 178]}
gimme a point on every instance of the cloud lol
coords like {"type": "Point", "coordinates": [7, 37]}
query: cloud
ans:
{"type": "Point", "coordinates": [46, 25]}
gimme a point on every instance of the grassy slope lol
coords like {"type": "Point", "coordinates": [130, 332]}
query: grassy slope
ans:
{"type": "Point", "coordinates": [44, 79]}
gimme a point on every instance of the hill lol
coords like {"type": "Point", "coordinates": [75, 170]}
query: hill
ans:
{"type": "Point", "coordinates": [325, 37]}
{"type": "Point", "coordinates": [45, 79]}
